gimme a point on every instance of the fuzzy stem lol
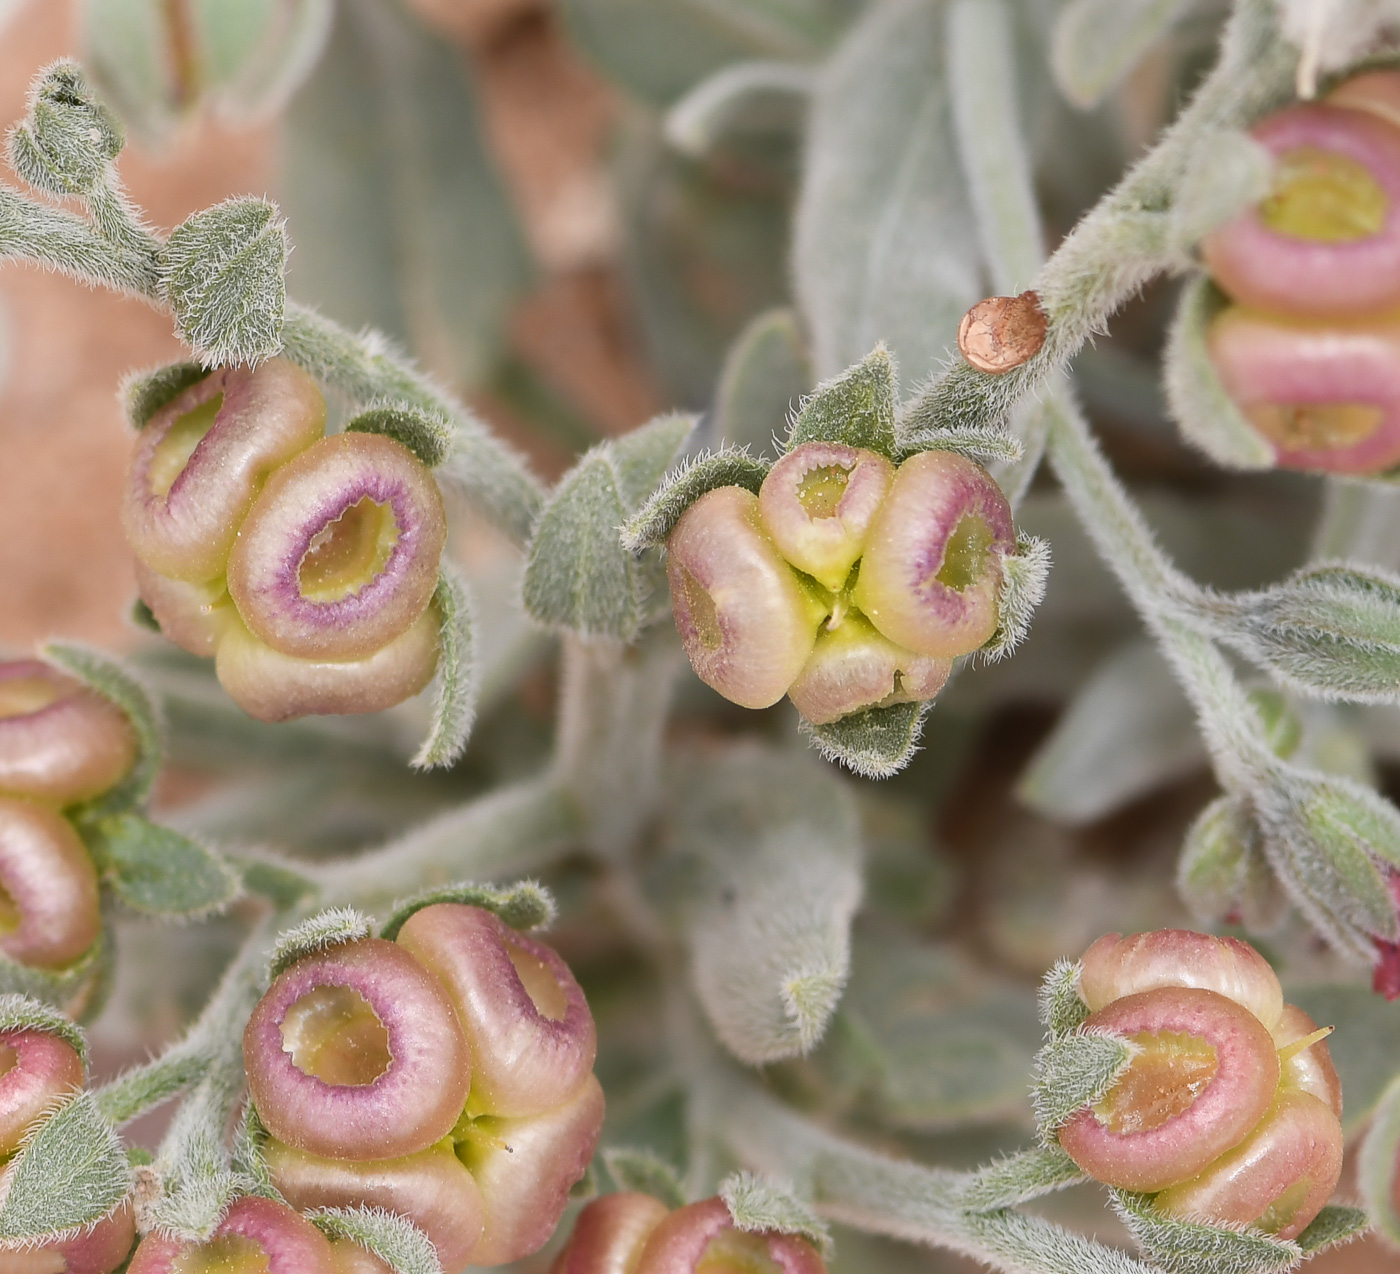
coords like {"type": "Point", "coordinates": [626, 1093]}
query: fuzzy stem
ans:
{"type": "Point", "coordinates": [65, 242]}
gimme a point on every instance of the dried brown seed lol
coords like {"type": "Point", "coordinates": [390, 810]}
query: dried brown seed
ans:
{"type": "Point", "coordinates": [1002, 332]}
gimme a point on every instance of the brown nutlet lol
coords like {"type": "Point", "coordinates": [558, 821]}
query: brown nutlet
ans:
{"type": "Point", "coordinates": [1002, 332]}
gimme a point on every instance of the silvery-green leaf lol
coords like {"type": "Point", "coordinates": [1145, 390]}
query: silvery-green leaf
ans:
{"type": "Point", "coordinates": [654, 521]}
{"type": "Point", "coordinates": [428, 436]}
{"type": "Point", "coordinates": [70, 1171]}
{"type": "Point", "coordinates": [1365, 1045]}
{"type": "Point", "coordinates": [392, 1238]}
{"type": "Point", "coordinates": [885, 248]}
{"type": "Point", "coordinates": [1196, 398]}
{"type": "Point", "coordinates": [319, 933]}
{"type": "Point", "coordinates": [1128, 731]}
{"type": "Point", "coordinates": [126, 44]}
{"type": "Point", "coordinates": [145, 393]}
{"type": "Point", "coordinates": [68, 138]}
{"type": "Point", "coordinates": [874, 744]}
{"type": "Point", "coordinates": [384, 165]}
{"type": "Point", "coordinates": [455, 682]}
{"type": "Point", "coordinates": [1097, 42]}
{"type": "Point", "coordinates": [764, 378]}
{"type": "Point", "coordinates": [1380, 1164]}
{"type": "Point", "coordinates": [775, 846]}
{"type": "Point", "coordinates": [855, 408]}
{"type": "Point", "coordinates": [1075, 1071]}
{"type": "Point", "coordinates": [578, 575]}
{"type": "Point", "coordinates": [1333, 1225]}
{"type": "Point", "coordinates": [1191, 1247]}
{"type": "Point", "coordinates": [524, 905]}
{"type": "Point", "coordinates": [1223, 871]}
{"type": "Point", "coordinates": [645, 1171]}
{"type": "Point", "coordinates": [79, 989]}
{"type": "Point", "coordinates": [757, 1204]}
{"type": "Point", "coordinates": [759, 95]}
{"type": "Point", "coordinates": [1061, 1008]}
{"type": "Point", "coordinates": [255, 53]}
{"type": "Point", "coordinates": [158, 871]}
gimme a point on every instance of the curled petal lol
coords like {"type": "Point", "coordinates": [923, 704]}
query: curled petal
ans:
{"type": "Point", "coordinates": [48, 887]}
{"type": "Point", "coordinates": [744, 619]}
{"type": "Point", "coordinates": [1277, 1180]}
{"type": "Point", "coordinates": [431, 1188]}
{"type": "Point", "coordinates": [356, 1053]}
{"type": "Point", "coordinates": [98, 1250]}
{"type": "Point", "coordinates": [1327, 241]}
{"type": "Point", "coordinates": [931, 573]}
{"type": "Point", "coordinates": [525, 1169]}
{"type": "Point", "coordinates": [204, 456]}
{"type": "Point", "coordinates": [194, 616]}
{"type": "Point", "coordinates": [609, 1234]}
{"type": "Point", "coordinates": [854, 667]}
{"type": "Point", "coordinates": [1116, 966]}
{"type": "Point", "coordinates": [340, 552]}
{"type": "Point", "coordinates": [59, 741]}
{"type": "Point", "coordinates": [817, 504]}
{"type": "Point", "coordinates": [272, 686]}
{"type": "Point", "coordinates": [256, 1236]}
{"type": "Point", "coordinates": [1310, 1069]}
{"type": "Point", "coordinates": [528, 1027]}
{"type": "Point", "coordinates": [705, 1233]}
{"type": "Point", "coordinates": [1325, 398]}
{"type": "Point", "coordinates": [36, 1068]}
{"type": "Point", "coordinates": [1205, 1075]}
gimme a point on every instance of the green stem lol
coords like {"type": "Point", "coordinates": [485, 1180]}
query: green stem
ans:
{"type": "Point", "coordinates": [63, 241]}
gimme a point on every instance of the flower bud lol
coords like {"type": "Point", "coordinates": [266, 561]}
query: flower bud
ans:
{"type": "Point", "coordinates": [340, 552]}
{"type": "Point", "coordinates": [59, 741]}
{"type": "Point", "coordinates": [817, 504]}
{"type": "Point", "coordinates": [1309, 1068]}
{"type": "Point", "coordinates": [1206, 1072]}
{"type": "Point", "coordinates": [36, 1068]}
{"type": "Point", "coordinates": [1325, 398]}
{"type": "Point", "coordinates": [609, 1234]}
{"type": "Point", "coordinates": [194, 616]}
{"type": "Point", "coordinates": [356, 1053]}
{"type": "Point", "coordinates": [528, 1027]}
{"type": "Point", "coordinates": [853, 667]}
{"type": "Point", "coordinates": [1276, 1180]}
{"type": "Point", "coordinates": [702, 1237]}
{"type": "Point", "coordinates": [931, 573]}
{"type": "Point", "coordinates": [1116, 966]}
{"type": "Point", "coordinates": [256, 1236]}
{"type": "Point", "coordinates": [1326, 242]}
{"type": "Point", "coordinates": [745, 620]}
{"type": "Point", "coordinates": [99, 1250]}
{"type": "Point", "coordinates": [431, 1188]}
{"type": "Point", "coordinates": [204, 456]}
{"type": "Point", "coordinates": [48, 887]}
{"type": "Point", "coordinates": [272, 686]}
{"type": "Point", "coordinates": [525, 1169]}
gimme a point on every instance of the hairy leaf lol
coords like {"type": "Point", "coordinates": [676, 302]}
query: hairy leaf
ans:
{"type": "Point", "coordinates": [524, 905]}
{"type": "Point", "coordinates": [874, 744]}
{"type": "Point", "coordinates": [1097, 42]}
{"type": "Point", "coordinates": [68, 139]}
{"type": "Point", "coordinates": [764, 377]}
{"type": "Point", "coordinates": [1193, 1247]}
{"type": "Point", "coordinates": [24, 1012]}
{"type": "Point", "coordinates": [455, 684]}
{"type": "Point", "coordinates": [1062, 1009]}
{"type": "Point", "coordinates": [158, 871]}
{"type": "Point", "coordinates": [319, 933]}
{"type": "Point", "coordinates": [757, 1205]}
{"type": "Point", "coordinates": [645, 1171]}
{"type": "Point", "coordinates": [1333, 1225]}
{"type": "Point", "coordinates": [1025, 575]}
{"type": "Point", "coordinates": [1075, 1071]}
{"type": "Point", "coordinates": [982, 443]}
{"type": "Point", "coordinates": [1223, 871]}
{"type": "Point", "coordinates": [392, 1238]}
{"type": "Point", "coordinates": [654, 521]}
{"type": "Point", "coordinates": [425, 434]}
{"type": "Point", "coordinates": [143, 394]}
{"type": "Point", "coordinates": [855, 408]}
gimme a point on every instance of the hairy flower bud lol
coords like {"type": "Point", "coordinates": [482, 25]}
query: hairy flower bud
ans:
{"type": "Point", "coordinates": [853, 667]}
{"type": "Point", "coordinates": [59, 741]}
{"type": "Point", "coordinates": [48, 887]}
{"type": "Point", "coordinates": [703, 1237]}
{"type": "Point", "coordinates": [528, 1027]}
{"type": "Point", "coordinates": [255, 1236]}
{"type": "Point", "coordinates": [931, 573]}
{"type": "Point", "coordinates": [1325, 397]}
{"type": "Point", "coordinates": [431, 1188]}
{"type": "Point", "coordinates": [609, 1235]}
{"type": "Point", "coordinates": [36, 1068]}
{"type": "Point", "coordinates": [356, 1053]}
{"type": "Point", "coordinates": [340, 552]}
{"type": "Point", "coordinates": [203, 458]}
{"type": "Point", "coordinates": [100, 1249]}
{"type": "Point", "coordinates": [1205, 1073]}
{"type": "Point", "coordinates": [746, 621]}
{"type": "Point", "coordinates": [68, 141]}
{"type": "Point", "coordinates": [1326, 242]}
{"type": "Point", "coordinates": [817, 504]}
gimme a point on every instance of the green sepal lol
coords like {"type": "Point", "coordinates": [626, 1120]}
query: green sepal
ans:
{"type": "Point", "coordinates": [578, 575]}
{"type": "Point", "coordinates": [24, 1012]}
{"type": "Point", "coordinates": [982, 443]}
{"type": "Point", "coordinates": [424, 433]}
{"type": "Point", "coordinates": [1060, 1006]}
{"type": "Point", "coordinates": [1333, 1225]}
{"type": "Point", "coordinates": [875, 743]}
{"type": "Point", "coordinates": [247, 1155]}
{"type": "Point", "coordinates": [760, 1206]}
{"type": "Point", "coordinates": [655, 520]}
{"type": "Point", "coordinates": [1025, 575]}
{"type": "Point", "coordinates": [1193, 1247]}
{"type": "Point", "coordinates": [524, 905]}
{"type": "Point", "coordinates": [158, 871]}
{"type": "Point", "coordinates": [144, 618]}
{"type": "Point", "coordinates": [110, 679]}
{"type": "Point", "coordinates": [455, 683]}
{"type": "Point", "coordinates": [856, 408]}
{"type": "Point", "coordinates": [142, 394]}
{"type": "Point", "coordinates": [646, 1172]}
{"type": "Point", "coordinates": [1075, 1071]}
{"type": "Point", "coordinates": [392, 1238]}
{"type": "Point", "coordinates": [70, 1171]}
{"type": "Point", "coordinates": [330, 928]}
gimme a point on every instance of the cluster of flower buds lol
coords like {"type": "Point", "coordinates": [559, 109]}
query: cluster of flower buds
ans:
{"type": "Point", "coordinates": [1310, 351]}
{"type": "Point", "coordinates": [845, 583]}
{"type": "Point", "coordinates": [306, 564]}
{"type": "Point", "coordinates": [38, 1070]}
{"type": "Point", "coordinates": [446, 1076]}
{"type": "Point", "coordinates": [1229, 1111]}
{"type": "Point", "coordinates": [60, 744]}
{"type": "Point", "coordinates": [637, 1234]}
